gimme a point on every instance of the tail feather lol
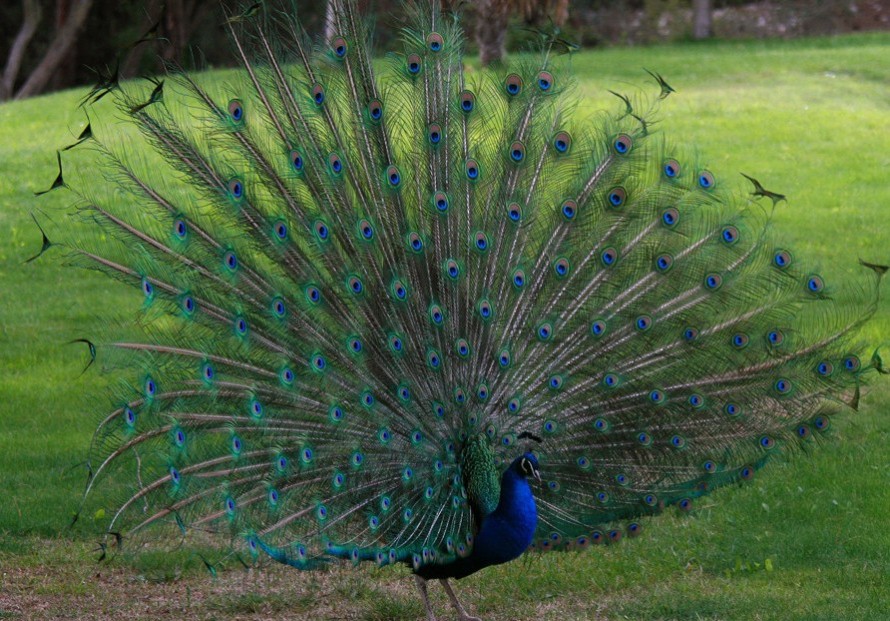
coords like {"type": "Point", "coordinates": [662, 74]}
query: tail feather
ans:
{"type": "Point", "coordinates": [349, 276]}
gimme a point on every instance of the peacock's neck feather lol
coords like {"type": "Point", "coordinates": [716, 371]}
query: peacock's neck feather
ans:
{"type": "Point", "coordinates": [516, 508]}
{"type": "Point", "coordinates": [508, 531]}
{"type": "Point", "coordinates": [505, 533]}
{"type": "Point", "coordinates": [480, 475]}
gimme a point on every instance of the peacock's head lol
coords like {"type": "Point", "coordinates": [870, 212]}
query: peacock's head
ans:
{"type": "Point", "coordinates": [526, 466]}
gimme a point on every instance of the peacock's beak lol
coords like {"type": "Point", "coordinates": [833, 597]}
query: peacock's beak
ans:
{"type": "Point", "coordinates": [537, 474]}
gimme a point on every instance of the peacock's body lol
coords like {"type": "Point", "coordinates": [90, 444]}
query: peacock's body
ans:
{"type": "Point", "coordinates": [384, 307]}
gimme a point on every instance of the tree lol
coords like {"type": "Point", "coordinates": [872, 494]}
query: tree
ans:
{"type": "Point", "coordinates": [173, 24]}
{"type": "Point", "coordinates": [702, 19]}
{"type": "Point", "coordinates": [492, 17]}
{"type": "Point", "coordinates": [491, 29]}
{"type": "Point", "coordinates": [32, 13]}
{"type": "Point", "coordinates": [70, 17]}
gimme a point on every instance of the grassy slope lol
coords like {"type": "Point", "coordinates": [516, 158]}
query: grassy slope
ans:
{"type": "Point", "coordinates": [809, 118]}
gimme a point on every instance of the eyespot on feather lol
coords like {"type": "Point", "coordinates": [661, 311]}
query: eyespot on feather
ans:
{"type": "Point", "coordinates": [782, 259]}
{"type": "Point", "coordinates": [339, 47]}
{"type": "Point", "coordinates": [413, 64]}
{"type": "Point", "coordinates": [545, 81]}
{"type": "Point", "coordinates": [440, 201]}
{"type": "Point", "coordinates": [485, 309]}
{"type": "Point", "coordinates": [322, 232]}
{"type": "Point", "coordinates": [562, 142]}
{"type": "Point", "coordinates": [775, 337]}
{"type": "Point", "coordinates": [517, 152]}
{"type": "Point", "coordinates": [670, 217]}
{"type": "Point", "coordinates": [280, 230]}
{"type": "Point", "coordinates": [434, 134]}
{"type": "Point", "coordinates": [393, 176]}
{"type": "Point", "coordinates": [740, 340]}
{"type": "Point", "coordinates": [375, 110]}
{"type": "Point", "coordinates": [472, 170]}
{"type": "Point", "coordinates": [365, 230]}
{"type": "Point", "coordinates": [706, 180]}
{"type": "Point", "coordinates": [318, 94]}
{"type": "Point", "coordinates": [664, 262]}
{"type": "Point", "coordinates": [713, 281]}
{"type": "Point", "coordinates": [513, 84]}
{"type": "Point", "coordinates": [236, 188]}
{"type": "Point", "coordinates": [467, 101]}
{"type": "Point", "coordinates": [617, 197]}
{"type": "Point", "coordinates": [236, 110]}
{"type": "Point", "coordinates": [415, 242]}
{"type": "Point", "coordinates": [335, 163]}
{"type": "Point", "coordinates": [815, 284]}
{"type": "Point", "coordinates": [569, 209]}
{"type": "Point", "coordinates": [622, 144]}
{"type": "Point", "coordinates": [480, 241]}
{"type": "Point", "coordinates": [514, 212]}
{"type": "Point", "coordinates": [729, 235]}
{"type": "Point", "coordinates": [435, 42]}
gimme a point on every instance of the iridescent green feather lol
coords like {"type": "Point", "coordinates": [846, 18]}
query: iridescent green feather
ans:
{"type": "Point", "coordinates": [481, 476]}
{"type": "Point", "coordinates": [365, 294]}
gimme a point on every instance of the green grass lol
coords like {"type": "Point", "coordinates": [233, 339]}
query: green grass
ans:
{"type": "Point", "coordinates": [809, 118]}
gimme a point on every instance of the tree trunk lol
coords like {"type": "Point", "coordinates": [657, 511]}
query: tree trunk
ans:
{"type": "Point", "coordinates": [58, 49]}
{"type": "Point", "coordinates": [538, 12]}
{"type": "Point", "coordinates": [491, 30]}
{"type": "Point", "coordinates": [132, 61]}
{"type": "Point", "coordinates": [68, 65]}
{"type": "Point", "coordinates": [702, 19]}
{"type": "Point", "coordinates": [181, 18]}
{"type": "Point", "coordinates": [561, 12]}
{"type": "Point", "coordinates": [30, 20]}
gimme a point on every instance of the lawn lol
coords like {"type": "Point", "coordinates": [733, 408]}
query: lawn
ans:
{"type": "Point", "coordinates": [808, 539]}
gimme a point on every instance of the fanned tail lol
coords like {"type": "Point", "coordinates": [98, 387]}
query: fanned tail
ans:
{"type": "Point", "coordinates": [349, 279]}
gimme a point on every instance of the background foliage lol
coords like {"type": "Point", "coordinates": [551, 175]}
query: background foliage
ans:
{"type": "Point", "coordinates": [193, 33]}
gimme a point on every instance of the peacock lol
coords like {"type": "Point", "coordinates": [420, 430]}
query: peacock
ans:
{"type": "Point", "coordinates": [402, 312]}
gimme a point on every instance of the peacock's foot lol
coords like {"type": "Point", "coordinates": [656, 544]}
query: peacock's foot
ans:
{"type": "Point", "coordinates": [462, 614]}
{"type": "Point", "coordinates": [421, 586]}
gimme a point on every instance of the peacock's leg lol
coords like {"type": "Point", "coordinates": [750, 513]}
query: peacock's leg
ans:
{"type": "Point", "coordinates": [462, 614]}
{"type": "Point", "coordinates": [421, 584]}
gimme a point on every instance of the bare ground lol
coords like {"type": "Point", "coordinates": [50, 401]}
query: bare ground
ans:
{"type": "Point", "coordinates": [57, 583]}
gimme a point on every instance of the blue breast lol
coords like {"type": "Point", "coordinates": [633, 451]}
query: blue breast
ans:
{"type": "Point", "coordinates": [505, 533]}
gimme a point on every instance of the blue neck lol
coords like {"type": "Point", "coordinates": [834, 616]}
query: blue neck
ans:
{"type": "Point", "coordinates": [516, 505]}
{"type": "Point", "coordinates": [505, 534]}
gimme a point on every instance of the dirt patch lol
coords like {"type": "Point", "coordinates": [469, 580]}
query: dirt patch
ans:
{"type": "Point", "coordinates": [99, 592]}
